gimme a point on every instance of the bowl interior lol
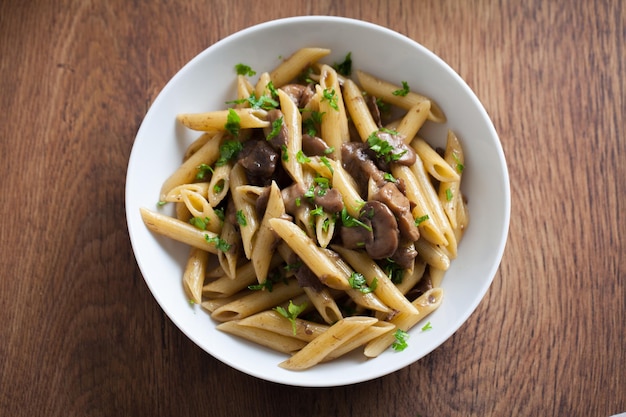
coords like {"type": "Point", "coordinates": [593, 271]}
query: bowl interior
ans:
{"type": "Point", "coordinates": [208, 81]}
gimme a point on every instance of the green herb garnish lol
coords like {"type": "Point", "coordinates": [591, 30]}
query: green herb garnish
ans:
{"type": "Point", "coordinates": [291, 313]}
{"type": "Point", "coordinates": [345, 67]}
{"type": "Point", "coordinates": [421, 219]}
{"type": "Point", "coordinates": [401, 340]}
{"type": "Point", "coordinates": [241, 218]}
{"type": "Point", "coordinates": [243, 69]}
{"type": "Point", "coordinates": [233, 121]}
{"type": "Point", "coordinates": [403, 91]}
{"type": "Point", "coordinates": [200, 223]}
{"type": "Point", "coordinates": [228, 151]}
{"type": "Point", "coordinates": [219, 243]}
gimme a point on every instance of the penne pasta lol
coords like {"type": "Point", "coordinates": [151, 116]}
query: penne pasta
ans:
{"type": "Point", "coordinates": [247, 118]}
{"type": "Point", "coordinates": [187, 172]}
{"type": "Point", "coordinates": [425, 304]}
{"type": "Point", "coordinates": [295, 64]}
{"type": "Point", "coordinates": [385, 91]}
{"type": "Point", "coordinates": [315, 351]}
{"type": "Point", "coordinates": [193, 276]}
{"type": "Point", "coordinates": [281, 218]}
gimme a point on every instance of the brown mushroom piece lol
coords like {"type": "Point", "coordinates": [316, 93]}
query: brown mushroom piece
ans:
{"type": "Point", "coordinates": [385, 231]}
{"type": "Point", "coordinates": [313, 145]}
{"type": "Point", "coordinates": [356, 161]}
{"type": "Point", "coordinates": [259, 161]}
{"type": "Point", "coordinates": [331, 200]}
{"type": "Point", "coordinates": [300, 94]}
{"type": "Point", "coordinates": [279, 137]}
{"type": "Point", "coordinates": [357, 236]}
{"type": "Point", "coordinates": [400, 205]}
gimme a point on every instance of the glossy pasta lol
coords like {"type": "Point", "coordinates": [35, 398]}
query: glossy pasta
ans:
{"type": "Point", "coordinates": [316, 226]}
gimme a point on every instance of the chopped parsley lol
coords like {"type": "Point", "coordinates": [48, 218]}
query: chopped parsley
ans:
{"type": "Point", "coordinates": [203, 171]}
{"type": "Point", "coordinates": [326, 162]}
{"type": "Point", "coordinates": [358, 282]}
{"type": "Point", "coordinates": [310, 124]}
{"type": "Point", "coordinates": [199, 222]}
{"type": "Point", "coordinates": [264, 102]}
{"type": "Point", "coordinates": [285, 153]}
{"type": "Point", "coordinates": [228, 151]}
{"type": "Point", "coordinates": [427, 327]}
{"type": "Point", "coordinates": [403, 91]}
{"type": "Point", "coordinates": [401, 340]}
{"type": "Point", "coordinates": [302, 158]}
{"type": "Point", "coordinates": [219, 243]}
{"type": "Point", "coordinates": [388, 177]}
{"type": "Point", "coordinates": [233, 121]}
{"type": "Point", "coordinates": [241, 218]}
{"type": "Point", "coordinates": [421, 219]}
{"type": "Point", "coordinates": [243, 69]}
{"type": "Point", "coordinates": [383, 148]}
{"type": "Point", "coordinates": [349, 221]}
{"type": "Point", "coordinates": [345, 67]}
{"type": "Point", "coordinates": [394, 271]}
{"type": "Point", "coordinates": [291, 313]}
{"type": "Point", "coordinates": [276, 126]}
{"type": "Point", "coordinates": [448, 194]}
{"type": "Point", "coordinates": [459, 165]}
{"type": "Point", "coordinates": [331, 96]}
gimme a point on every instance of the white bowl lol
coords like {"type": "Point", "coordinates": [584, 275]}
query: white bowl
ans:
{"type": "Point", "coordinates": [208, 81]}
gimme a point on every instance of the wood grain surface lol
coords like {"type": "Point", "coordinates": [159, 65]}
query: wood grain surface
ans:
{"type": "Point", "coordinates": [80, 333]}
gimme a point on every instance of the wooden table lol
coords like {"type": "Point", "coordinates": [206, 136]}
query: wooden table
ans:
{"type": "Point", "coordinates": [80, 333]}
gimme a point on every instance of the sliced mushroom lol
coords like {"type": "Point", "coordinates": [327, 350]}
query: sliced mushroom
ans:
{"type": "Point", "coordinates": [384, 228]}
{"type": "Point", "coordinates": [399, 204]}
{"type": "Point", "coordinates": [313, 145]}
{"type": "Point", "coordinates": [259, 161]}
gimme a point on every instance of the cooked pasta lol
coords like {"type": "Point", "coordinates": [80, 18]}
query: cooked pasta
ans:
{"type": "Point", "coordinates": [313, 221]}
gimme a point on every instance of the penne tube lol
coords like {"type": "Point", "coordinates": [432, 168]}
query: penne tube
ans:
{"type": "Point", "coordinates": [425, 304]}
{"type": "Point", "coordinates": [293, 123]}
{"type": "Point", "coordinates": [367, 300]}
{"type": "Point", "coordinates": [271, 321]}
{"type": "Point", "coordinates": [324, 304]}
{"type": "Point", "coordinates": [316, 350]}
{"type": "Point", "coordinates": [431, 198]}
{"type": "Point", "coordinates": [187, 172]}
{"type": "Point", "coordinates": [434, 164]}
{"type": "Point", "coordinates": [411, 278]}
{"type": "Point", "coordinates": [179, 230]}
{"type": "Point", "coordinates": [244, 90]}
{"type": "Point", "coordinates": [342, 181]}
{"type": "Point", "coordinates": [274, 341]}
{"type": "Point", "coordinates": [226, 286]}
{"type": "Point", "coordinates": [360, 339]}
{"type": "Point", "coordinates": [219, 185]}
{"type": "Point", "coordinates": [384, 288]}
{"type": "Point", "coordinates": [413, 120]}
{"type": "Point", "coordinates": [256, 301]}
{"type": "Point", "coordinates": [433, 255]}
{"type": "Point", "coordinates": [265, 241]}
{"type": "Point", "coordinates": [312, 255]}
{"type": "Point", "coordinates": [385, 91]}
{"type": "Point", "coordinates": [248, 118]}
{"type": "Point", "coordinates": [228, 259]}
{"type": "Point", "coordinates": [197, 144]}
{"type": "Point", "coordinates": [200, 208]}
{"type": "Point", "coordinates": [246, 209]}
{"type": "Point", "coordinates": [289, 69]}
{"type": "Point", "coordinates": [175, 194]}
{"type": "Point", "coordinates": [194, 273]}
{"type": "Point", "coordinates": [261, 86]}
{"type": "Point", "coordinates": [358, 110]}
{"type": "Point", "coordinates": [421, 210]}
{"type": "Point", "coordinates": [334, 127]}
